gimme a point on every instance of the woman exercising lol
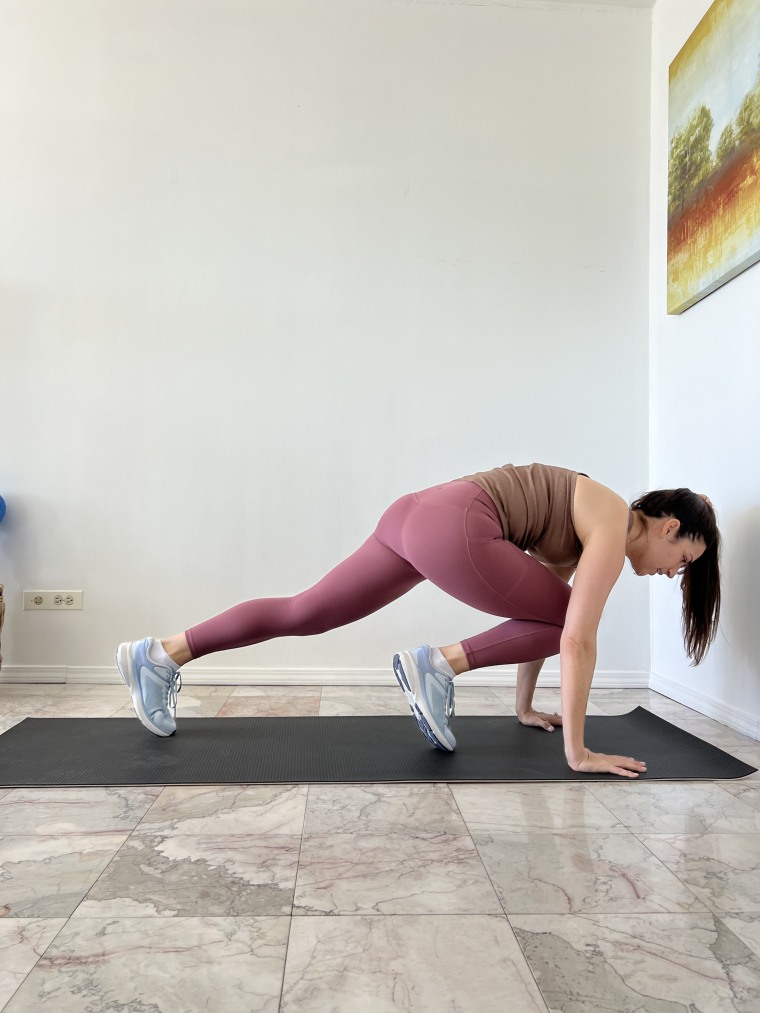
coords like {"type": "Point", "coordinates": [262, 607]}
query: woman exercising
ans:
{"type": "Point", "coordinates": [505, 541]}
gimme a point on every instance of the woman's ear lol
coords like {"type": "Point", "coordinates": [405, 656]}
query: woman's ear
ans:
{"type": "Point", "coordinates": [671, 527]}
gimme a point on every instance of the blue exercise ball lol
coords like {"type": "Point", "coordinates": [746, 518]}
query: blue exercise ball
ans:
{"type": "Point", "coordinates": [2, 508]}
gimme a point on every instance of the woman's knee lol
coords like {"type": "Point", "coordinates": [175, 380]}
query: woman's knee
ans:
{"type": "Point", "coordinates": [308, 616]}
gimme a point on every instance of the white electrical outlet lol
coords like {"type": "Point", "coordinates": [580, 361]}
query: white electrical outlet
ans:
{"type": "Point", "coordinates": [65, 601]}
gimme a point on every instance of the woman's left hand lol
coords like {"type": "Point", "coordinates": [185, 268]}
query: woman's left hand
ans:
{"type": "Point", "coordinates": [538, 719]}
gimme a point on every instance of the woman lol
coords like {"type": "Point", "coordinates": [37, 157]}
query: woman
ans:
{"type": "Point", "coordinates": [505, 541]}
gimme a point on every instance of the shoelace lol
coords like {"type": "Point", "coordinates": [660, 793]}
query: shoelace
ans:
{"type": "Point", "coordinates": [175, 685]}
{"type": "Point", "coordinates": [449, 710]}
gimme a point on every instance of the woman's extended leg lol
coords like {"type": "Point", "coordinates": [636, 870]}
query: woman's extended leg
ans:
{"type": "Point", "coordinates": [372, 577]}
{"type": "Point", "coordinates": [369, 579]}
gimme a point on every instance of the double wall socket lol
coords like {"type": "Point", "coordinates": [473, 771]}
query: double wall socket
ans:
{"type": "Point", "coordinates": [66, 601]}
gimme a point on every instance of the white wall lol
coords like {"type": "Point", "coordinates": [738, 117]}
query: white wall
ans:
{"type": "Point", "coordinates": [267, 265]}
{"type": "Point", "coordinates": [705, 421]}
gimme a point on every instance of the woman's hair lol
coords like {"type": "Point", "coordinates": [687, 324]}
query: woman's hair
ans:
{"type": "Point", "coordinates": [700, 583]}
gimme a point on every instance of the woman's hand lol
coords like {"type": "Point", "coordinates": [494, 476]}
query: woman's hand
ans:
{"type": "Point", "coordinates": [537, 719]}
{"type": "Point", "coordinates": [601, 763]}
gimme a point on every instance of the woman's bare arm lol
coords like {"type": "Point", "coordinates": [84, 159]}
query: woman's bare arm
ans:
{"type": "Point", "coordinates": [528, 672]}
{"type": "Point", "coordinates": [601, 521]}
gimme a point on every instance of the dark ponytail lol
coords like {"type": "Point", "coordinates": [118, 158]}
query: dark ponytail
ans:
{"type": "Point", "coordinates": [700, 583]}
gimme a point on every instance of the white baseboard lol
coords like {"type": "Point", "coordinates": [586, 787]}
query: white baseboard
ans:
{"type": "Point", "coordinates": [207, 676]}
{"type": "Point", "coordinates": [739, 720]}
{"type": "Point", "coordinates": [14, 674]}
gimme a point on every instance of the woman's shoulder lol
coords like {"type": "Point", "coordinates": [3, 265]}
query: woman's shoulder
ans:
{"type": "Point", "coordinates": [595, 506]}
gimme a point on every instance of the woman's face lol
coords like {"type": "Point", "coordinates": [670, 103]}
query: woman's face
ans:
{"type": "Point", "coordinates": [665, 552]}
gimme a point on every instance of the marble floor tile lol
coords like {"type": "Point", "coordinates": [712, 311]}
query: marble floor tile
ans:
{"type": "Point", "coordinates": [274, 692]}
{"type": "Point", "coordinates": [283, 702]}
{"type": "Point", "coordinates": [382, 809]}
{"type": "Point", "coordinates": [546, 700]}
{"type": "Point", "coordinates": [713, 731]}
{"type": "Point", "coordinates": [22, 943]}
{"type": "Point", "coordinates": [57, 811]}
{"type": "Point", "coordinates": [723, 870]}
{"type": "Point", "coordinates": [671, 710]}
{"type": "Point", "coordinates": [471, 701]}
{"type": "Point", "coordinates": [69, 705]}
{"type": "Point", "coordinates": [750, 755]}
{"type": "Point", "coordinates": [681, 808]}
{"type": "Point", "coordinates": [674, 713]}
{"type": "Point", "coordinates": [229, 809]}
{"type": "Point", "coordinates": [565, 873]}
{"type": "Point", "coordinates": [351, 874]}
{"type": "Point", "coordinates": [8, 689]}
{"type": "Point", "coordinates": [534, 808]}
{"type": "Point", "coordinates": [192, 702]}
{"type": "Point", "coordinates": [622, 701]}
{"type": "Point", "coordinates": [198, 876]}
{"type": "Point", "coordinates": [47, 877]}
{"type": "Point", "coordinates": [9, 720]}
{"type": "Point", "coordinates": [746, 927]}
{"type": "Point", "coordinates": [353, 701]}
{"type": "Point", "coordinates": [19, 698]}
{"type": "Point", "coordinates": [664, 963]}
{"type": "Point", "coordinates": [746, 789]}
{"type": "Point", "coordinates": [16, 704]}
{"type": "Point", "coordinates": [406, 964]}
{"type": "Point", "coordinates": [233, 965]}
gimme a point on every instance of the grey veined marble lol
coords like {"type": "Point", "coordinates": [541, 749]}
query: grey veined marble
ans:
{"type": "Point", "coordinates": [47, 877]}
{"type": "Point", "coordinates": [200, 876]}
{"type": "Point", "coordinates": [55, 811]}
{"type": "Point", "coordinates": [347, 874]}
{"type": "Point", "coordinates": [154, 965]}
{"type": "Point", "coordinates": [667, 963]}
{"type": "Point", "coordinates": [402, 964]}
{"type": "Point", "coordinates": [567, 873]}
{"type": "Point", "coordinates": [22, 943]}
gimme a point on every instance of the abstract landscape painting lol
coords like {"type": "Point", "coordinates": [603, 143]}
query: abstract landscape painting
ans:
{"type": "Point", "coordinates": [714, 160]}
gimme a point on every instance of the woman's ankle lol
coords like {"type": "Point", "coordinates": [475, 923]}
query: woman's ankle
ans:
{"type": "Point", "coordinates": [177, 648]}
{"type": "Point", "coordinates": [456, 657]}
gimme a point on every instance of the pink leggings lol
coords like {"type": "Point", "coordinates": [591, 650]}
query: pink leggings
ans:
{"type": "Point", "coordinates": [449, 535]}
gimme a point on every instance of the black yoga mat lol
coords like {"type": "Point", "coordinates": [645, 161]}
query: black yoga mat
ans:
{"type": "Point", "coordinates": [49, 752]}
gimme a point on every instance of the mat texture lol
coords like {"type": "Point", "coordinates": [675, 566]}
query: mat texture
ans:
{"type": "Point", "coordinates": [50, 752]}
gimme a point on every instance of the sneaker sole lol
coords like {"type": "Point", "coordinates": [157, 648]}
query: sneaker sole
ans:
{"type": "Point", "coordinates": [124, 664]}
{"type": "Point", "coordinates": [420, 713]}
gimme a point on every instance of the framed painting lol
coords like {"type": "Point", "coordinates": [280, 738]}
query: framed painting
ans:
{"type": "Point", "coordinates": [714, 157]}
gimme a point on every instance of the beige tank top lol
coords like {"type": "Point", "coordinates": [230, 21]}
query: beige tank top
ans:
{"type": "Point", "coordinates": [535, 507]}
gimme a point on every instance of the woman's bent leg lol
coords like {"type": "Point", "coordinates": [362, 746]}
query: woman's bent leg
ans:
{"type": "Point", "coordinates": [511, 643]}
{"type": "Point", "coordinates": [453, 538]}
{"type": "Point", "coordinates": [368, 580]}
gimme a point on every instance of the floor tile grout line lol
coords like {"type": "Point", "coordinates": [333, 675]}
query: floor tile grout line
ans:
{"type": "Point", "coordinates": [586, 787]}
{"type": "Point", "coordinates": [112, 859]}
{"type": "Point", "coordinates": [686, 885]}
{"type": "Point", "coordinates": [710, 783]}
{"type": "Point", "coordinates": [293, 898]}
{"type": "Point", "coordinates": [34, 965]}
{"type": "Point", "coordinates": [100, 874]}
{"type": "Point", "coordinates": [496, 894]}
